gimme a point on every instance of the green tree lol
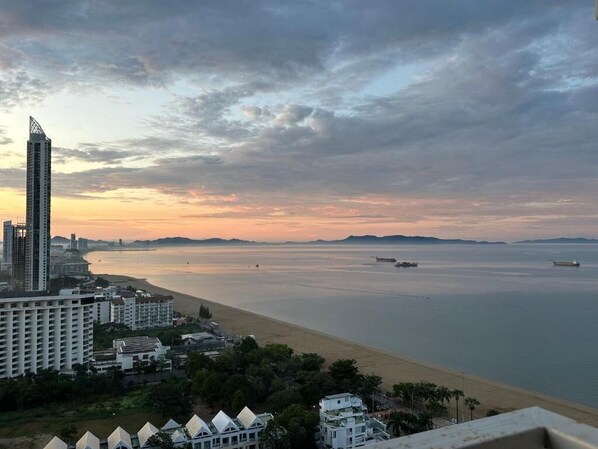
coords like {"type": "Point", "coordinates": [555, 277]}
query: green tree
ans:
{"type": "Point", "coordinates": [160, 440]}
{"type": "Point", "coordinates": [492, 412]}
{"type": "Point", "coordinates": [311, 362]}
{"type": "Point", "coordinates": [68, 432]}
{"type": "Point", "coordinates": [457, 394]}
{"type": "Point", "coordinates": [212, 389]}
{"type": "Point", "coordinates": [301, 425]}
{"type": "Point", "coordinates": [274, 437]}
{"type": "Point", "coordinates": [370, 385]}
{"type": "Point", "coordinates": [197, 361]}
{"type": "Point", "coordinates": [444, 394]}
{"type": "Point", "coordinates": [346, 375]}
{"type": "Point", "coordinates": [471, 404]}
{"type": "Point", "coordinates": [172, 398]}
{"type": "Point", "coordinates": [247, 345]}
{"type": "Point", "coordinates": [280, 400]}
{"type": "Point", "coordinates": [204, 312]}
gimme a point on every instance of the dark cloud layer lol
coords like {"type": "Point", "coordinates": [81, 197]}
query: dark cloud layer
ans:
{"type": "Point", "coordinates": [503, 112]}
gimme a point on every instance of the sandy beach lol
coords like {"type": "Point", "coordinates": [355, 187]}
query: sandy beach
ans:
{"type": "Point", "coordinates": [393, 368]}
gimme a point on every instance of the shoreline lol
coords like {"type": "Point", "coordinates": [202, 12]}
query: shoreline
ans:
{"type": "Point", "coordinates": [392, 367]}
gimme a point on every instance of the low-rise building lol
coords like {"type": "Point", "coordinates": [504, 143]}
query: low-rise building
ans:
{"type": "Point", "coordinates": [344, 423]}
{"type": "Point", "coordinates": [139, 312]}
{"type": "Point", "coordinates": [241, 432]}
{"type": "Point", "coordinates": [132, 355]}
{"type": "Point", "coordinates": [40, 332]}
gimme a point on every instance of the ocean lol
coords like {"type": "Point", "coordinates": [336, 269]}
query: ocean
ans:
{"type": "Point", "coordinates": [500, 312]}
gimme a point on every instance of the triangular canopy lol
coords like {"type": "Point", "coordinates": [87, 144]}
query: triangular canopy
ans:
{"type": "Point", "coordinates": [88, 441]}
{"type": "Point", "coordinates": [197, 426]}
{"type": "Point", "coordinates": [223, 422]}
{"type": "Point", "coordinates": [146, 432]}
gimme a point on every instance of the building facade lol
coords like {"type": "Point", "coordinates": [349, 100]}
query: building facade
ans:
{"type": "Point", "coordinates": [7, 245]}
{"type": "Point", "coordinates": [19, 249]}
{"type": "Point", "coordinates": [133, 355]}
{"type": "Point", "coordinates": [39, 165]}
{"type": "Point", "coordinates": [39, 332]}
{"type": "Point", "coordinates": [344, 423]}
{"type": "Point", "coordinates": [242, 432]}
{"type": "Point", "coordinates": [140, 312]}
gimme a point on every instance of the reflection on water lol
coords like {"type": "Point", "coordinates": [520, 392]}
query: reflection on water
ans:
{"type": "Point", "coordinates": [501, 312]}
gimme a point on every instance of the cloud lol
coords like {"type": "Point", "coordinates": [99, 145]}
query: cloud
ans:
{"type": "Point", "coordinates": [4, 140]}
{"type": "Point", "coordinates": [18, 87]}
{"type": "Point", "coordinates": [292, 114]}
{"type": "Point", "coordinates": [304, 104]}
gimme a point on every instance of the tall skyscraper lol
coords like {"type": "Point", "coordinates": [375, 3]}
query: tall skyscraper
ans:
{"type": "Point", "coordinates": [19, 250]}
{"type": "Point", "coordinates": [7, 244]}
{"type": "Point", "coordinates": [39, 162]}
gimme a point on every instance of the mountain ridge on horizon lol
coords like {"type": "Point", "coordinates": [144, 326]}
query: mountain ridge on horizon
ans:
{"type": "Point", "coordinates": [351, 239]}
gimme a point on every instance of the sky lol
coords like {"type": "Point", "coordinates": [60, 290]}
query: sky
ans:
{"type": "Point", "coordinates": [274, 121]}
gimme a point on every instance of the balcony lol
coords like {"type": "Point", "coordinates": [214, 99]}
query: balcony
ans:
{"type": "Point", "coordinates": [528, 428]}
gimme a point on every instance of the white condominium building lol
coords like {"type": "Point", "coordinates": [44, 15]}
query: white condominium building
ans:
{"type": "Point", "coordinates": [39, 332]}
{"type": "Point", "coordinates": [344, 423]}
{"type": "Point", "coordinates": [142, 312]}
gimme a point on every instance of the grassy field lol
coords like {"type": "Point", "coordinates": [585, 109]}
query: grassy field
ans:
{"type": "Point", "coordinates": [131, 412]}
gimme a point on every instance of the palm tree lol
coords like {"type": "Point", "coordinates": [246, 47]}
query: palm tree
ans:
{"type": "Point", "coordinates": [471, 403]}
{"type": "Point", "coordinates": [403, 423]}
{"type": "Point", "coordinates": [444, 394]}
{"type": "Point", "coordinates": [457, 394]}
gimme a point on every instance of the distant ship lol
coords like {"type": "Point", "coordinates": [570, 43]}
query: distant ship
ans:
{"type": "Point", "coordinates": [572, 263]}
{"type": "Point", "coordinates": [385, 259]}
{"type": "Point", "coordinates": [406, 264]}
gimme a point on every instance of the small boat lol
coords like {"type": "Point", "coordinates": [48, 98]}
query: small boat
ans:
{"type": "Point", "coordinates": [572, 263]}
{"type": "Point", "coordinates": [385, 259]}
{"type": "Point", "coordinates": [406, 264]}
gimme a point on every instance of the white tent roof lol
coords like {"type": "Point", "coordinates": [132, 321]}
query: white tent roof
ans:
{"type": "Point", "coordinates": [178, 436]}
{"type": "Point", "coordinates": [171, 424]}
{"type": "Point", "coordinates": [88, 441]}
{"type": "Point", "coordinates": [119, 437]}
{"type": "Point", "coordinates": [196, 426]}
{"type": "Point", "coordinates": [222, 421]}
{"type": "Point", "coordinates": [56, 443]}
{"type": "Point", "coordinates": [248, 418]}
{"type": "Point", "coordinates": [146, 432]}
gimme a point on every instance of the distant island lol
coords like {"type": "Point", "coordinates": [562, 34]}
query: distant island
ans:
{"type": "Point", "coordinates": [351, 240]}
{"type": "Point", "coordinates": [404, 239]}
{"type": "Point", "coordinates": [188, 241]}
{"type": "Point", "coordinates": [561, 240]}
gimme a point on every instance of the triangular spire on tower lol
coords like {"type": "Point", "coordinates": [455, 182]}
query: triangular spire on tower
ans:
{"type": "Point", "coordinates": [34, 127]}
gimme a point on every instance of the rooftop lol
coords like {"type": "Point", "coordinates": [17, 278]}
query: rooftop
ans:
{"type": "Point", "coordinates": [528, 428]}
{"type": "Point", "coordinates": [136, 344]}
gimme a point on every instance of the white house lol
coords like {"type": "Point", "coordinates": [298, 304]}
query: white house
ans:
{"type": "Point", "coordinates": [344, 423]}
{"type": "Point", "coordinates": [132, 354]}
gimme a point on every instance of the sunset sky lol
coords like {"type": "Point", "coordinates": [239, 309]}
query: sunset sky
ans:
{"type": "Point", "coordinates": [275, 121]}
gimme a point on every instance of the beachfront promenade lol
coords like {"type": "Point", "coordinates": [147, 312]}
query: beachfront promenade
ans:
{"type": "Point", "coordinates": [391, 367]}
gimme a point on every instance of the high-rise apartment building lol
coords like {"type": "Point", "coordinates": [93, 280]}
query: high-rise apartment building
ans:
{"type": "Point", "coordinates": [7, 245]}
{"type": "Point", "coordinates": [39, 332]}
{"type": "Point", "coordinates": [142, 312]}
{"type": "Point", "coordinates": [19, 248]}
{"type": "Point", "coordinates": [39, 163]}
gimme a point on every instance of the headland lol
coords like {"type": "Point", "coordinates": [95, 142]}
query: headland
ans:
{"type": "Point", "coordinates": [392, 367]}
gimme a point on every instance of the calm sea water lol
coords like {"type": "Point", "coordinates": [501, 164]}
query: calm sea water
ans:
{"type": "Point", "coordinates": [498, 312]}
